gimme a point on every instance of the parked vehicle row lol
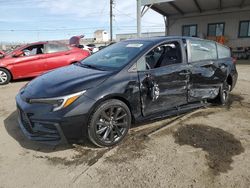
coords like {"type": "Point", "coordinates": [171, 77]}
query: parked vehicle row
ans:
{"type": "Point", "coordinates": [126, 82]}
{"type": "Point", "coordinates": [37, 58]}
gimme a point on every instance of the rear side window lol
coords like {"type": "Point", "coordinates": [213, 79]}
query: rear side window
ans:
{"type": "Point", "coordinates": [223, 52]}
{"type": "Point", "coordinates": [201, 50]}
{"type": "Point", "coordinates": [53, 48]}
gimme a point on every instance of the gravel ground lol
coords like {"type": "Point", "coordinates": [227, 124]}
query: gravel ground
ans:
{"type": "Point", "coordinates": [208, 147]}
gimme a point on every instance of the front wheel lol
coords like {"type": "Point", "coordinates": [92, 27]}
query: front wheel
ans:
{"type": "Point", "coordinates": [109, 123]}
{"type": "Point", "coordinates": [5, 76]}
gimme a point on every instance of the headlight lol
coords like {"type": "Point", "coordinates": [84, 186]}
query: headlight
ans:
{"type": "Point", "coordinates": [59, 102]}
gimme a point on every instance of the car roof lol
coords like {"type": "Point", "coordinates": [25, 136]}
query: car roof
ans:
{"type": "Point", "coordinates": [46, 42]}
{"type": "Point", "coordinates": [156, 40]}
{"type": "Point", "coordinates": [38, 43]}
{"type": "Point", "coordinates": [163, 38]}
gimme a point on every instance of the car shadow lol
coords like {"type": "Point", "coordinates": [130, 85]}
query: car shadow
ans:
{"type": "Point", "coordinates": [13, 129]}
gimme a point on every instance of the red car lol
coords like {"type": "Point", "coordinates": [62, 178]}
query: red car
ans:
{"type": "Point", "coordinates": [34, 59]}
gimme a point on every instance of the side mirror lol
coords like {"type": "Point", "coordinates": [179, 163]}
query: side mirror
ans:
{"type": "Point", "coordinates": [18, 53]}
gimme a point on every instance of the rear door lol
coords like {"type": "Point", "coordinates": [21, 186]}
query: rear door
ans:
{"type": "Point", "coordinates": [163, 75]}
{"type": "Point", "coordinates": [206, 74]}
{"type": "Point", "coordinates": [57, 55]}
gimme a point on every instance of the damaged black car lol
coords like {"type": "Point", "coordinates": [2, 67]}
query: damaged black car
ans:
{"type": "Point", "coordinates": [128, 82]}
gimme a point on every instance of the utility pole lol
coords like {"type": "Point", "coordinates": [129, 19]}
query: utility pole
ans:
{"type": "Point", "coordinates": [138, 18]}
{"type": "Point", "coordinates": [111, 20]}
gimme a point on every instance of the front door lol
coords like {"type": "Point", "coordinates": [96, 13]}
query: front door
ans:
{"type": "Point", "coordinates": [163, 75]}
{"type": "Point", "coordinates": [31, 63]}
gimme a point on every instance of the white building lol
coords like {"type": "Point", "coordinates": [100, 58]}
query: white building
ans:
{"type": "Point", "coordinates": [101, 36]}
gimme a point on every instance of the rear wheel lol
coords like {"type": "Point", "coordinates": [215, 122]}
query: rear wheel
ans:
{"type": "Point", "coordinates": [223, 96]}
{"type": "Point", "coordinates": [109, 123]}
{"type": "Point", "coordinates": [5, 76]}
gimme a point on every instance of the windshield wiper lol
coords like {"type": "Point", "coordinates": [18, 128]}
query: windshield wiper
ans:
{"type": "Point", "coordinates": [90, 66]}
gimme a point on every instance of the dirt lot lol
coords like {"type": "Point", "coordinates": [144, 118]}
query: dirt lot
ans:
{"type": "Point", "coordinates": [205, 148]}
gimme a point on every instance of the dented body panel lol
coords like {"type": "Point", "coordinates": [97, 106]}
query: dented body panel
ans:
{"type": "Point", "coordinates": [172, 86]}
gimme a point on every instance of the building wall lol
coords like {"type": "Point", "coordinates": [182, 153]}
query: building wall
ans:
{"type": "Point", "coordinates": [101, 36]}
{"type": "Point", "coordinates": [120, 37]}
{"type": "Point", "coordinates": [231, 20]}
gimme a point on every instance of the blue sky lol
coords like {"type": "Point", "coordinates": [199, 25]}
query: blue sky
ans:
{"type": "Point", "coordinates": [36, 20]}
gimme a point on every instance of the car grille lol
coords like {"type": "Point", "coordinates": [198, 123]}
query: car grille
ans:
{"type": "Point", "coordinates": [25, 121]}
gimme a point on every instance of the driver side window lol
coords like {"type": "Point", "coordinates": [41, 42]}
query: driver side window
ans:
{"type": "Point", "coordinates": [163, 55]}
{"type": "Point", "coordinates": [33, 50]}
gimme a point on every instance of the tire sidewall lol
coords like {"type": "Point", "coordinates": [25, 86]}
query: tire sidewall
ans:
{"type": "Point", "coordinates": [8, 76]}
{"type": "Point", "coordinates": [92, 127]}
{"type": "Point", "coordinates": [224, 90]}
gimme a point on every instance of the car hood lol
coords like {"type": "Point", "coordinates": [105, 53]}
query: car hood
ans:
{"type": "Point", "coordinates": [64, 81]}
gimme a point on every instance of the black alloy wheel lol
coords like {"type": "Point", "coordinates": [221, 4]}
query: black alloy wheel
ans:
{"type": "Point", "coordinates": [109, 123]}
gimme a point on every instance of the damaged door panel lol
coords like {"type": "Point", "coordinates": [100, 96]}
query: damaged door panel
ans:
{"type": "Point", "coordinates": [163, 78]}
{"type": "Point", "coordinates": [206, 74]}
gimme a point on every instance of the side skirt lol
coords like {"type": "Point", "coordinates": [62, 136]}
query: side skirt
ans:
{"type": "Point", "coordinates": [173, 112]}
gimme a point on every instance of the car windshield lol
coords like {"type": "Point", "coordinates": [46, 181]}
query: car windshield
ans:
{"type": "Point", "coordinates": [115, 56]}
{"type": "Point", "coordinates": [14, 49]}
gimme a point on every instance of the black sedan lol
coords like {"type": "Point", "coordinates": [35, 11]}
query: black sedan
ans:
{"type": "Point", "coordinates": [124, 83]}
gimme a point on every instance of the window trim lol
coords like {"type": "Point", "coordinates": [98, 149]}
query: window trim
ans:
{"type": "Point", "coordinates": [242, 21]}
{"type": "Point", "coordinates": [190, 25]}
{"type": "Point", "coordinates": [223, 32]}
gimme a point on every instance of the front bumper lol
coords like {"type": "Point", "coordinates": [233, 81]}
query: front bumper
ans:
{"type": "Point", "coordinates": [45, 132]}
{"type": "Point", "coordinates": [39, 123]}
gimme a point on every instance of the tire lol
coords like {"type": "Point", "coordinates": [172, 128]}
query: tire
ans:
{"type": "Point", "coordinates": [109, 123]}
{"type": "Point", "coordinates": [5, 76]}
{"type": "Point", "coordinates": [223, 96]}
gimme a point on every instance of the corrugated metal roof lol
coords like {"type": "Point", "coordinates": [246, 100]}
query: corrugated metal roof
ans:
{"type": "Point", "coordinates": [182, 7]}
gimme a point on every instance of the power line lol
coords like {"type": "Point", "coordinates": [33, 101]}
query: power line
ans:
{"type": "Point", "coordinates": [130, 16]}
{"type": "Point", "coordinates": [71, 29]}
